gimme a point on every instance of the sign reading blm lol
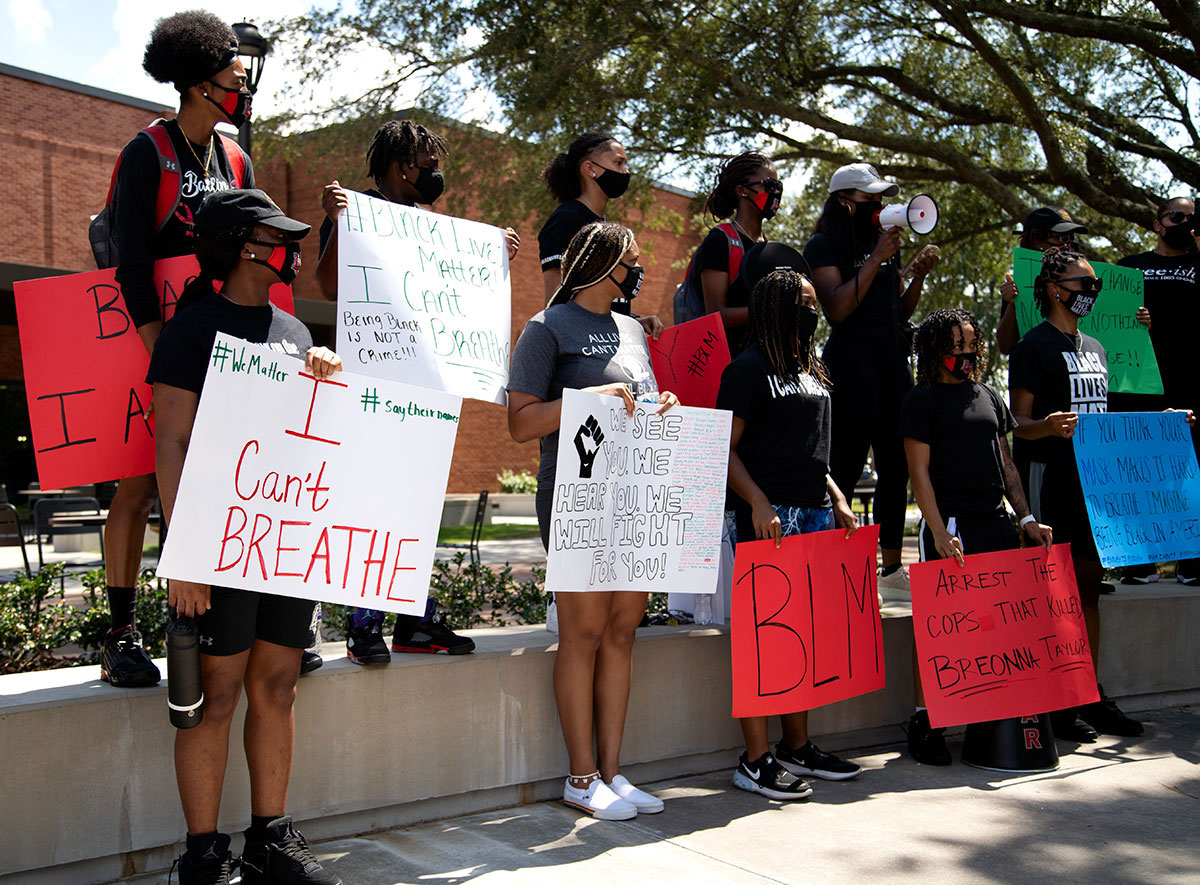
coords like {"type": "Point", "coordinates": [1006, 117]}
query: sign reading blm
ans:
{"type": "Point", "coordinates": [329, 490]}
{"type": "Point", "coordinates": [638, 499]}
{"type": "Point", "coordinates": [1141, 485]}
{"type": "Point", "coordinates": [423, 298]}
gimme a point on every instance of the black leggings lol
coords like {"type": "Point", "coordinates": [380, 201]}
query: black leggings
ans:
{"type": "Point", "coordinates": [870, 378]}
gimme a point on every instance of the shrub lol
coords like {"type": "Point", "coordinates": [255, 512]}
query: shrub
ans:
{"type": "Point", "coordinates": [32, 622]}
{"type": "Point", "coordinates": [523, 483]}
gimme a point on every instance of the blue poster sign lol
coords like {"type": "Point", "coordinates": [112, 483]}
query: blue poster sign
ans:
{"type": "Point", "coordinates": [1141, 484]}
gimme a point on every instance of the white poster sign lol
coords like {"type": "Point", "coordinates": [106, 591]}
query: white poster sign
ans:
{"type": "Point", "coordinates": [329, 490]}
{"type": "Point", "coordinates": [638, 500]}
{"type": "Point", "coordinates": [423, 298]}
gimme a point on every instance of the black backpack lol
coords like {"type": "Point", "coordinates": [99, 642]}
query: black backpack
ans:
{"type": "Point", "coordinates": [688, 302]}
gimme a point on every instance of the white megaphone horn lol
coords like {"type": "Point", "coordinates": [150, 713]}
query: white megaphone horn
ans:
{"type": "Point", "coordinates": [920, 215]}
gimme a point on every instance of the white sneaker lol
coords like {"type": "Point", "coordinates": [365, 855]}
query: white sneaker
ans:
{"type": "Point", "coordinates": [895, 586]}
{"type": "Point", "coordinates": [552, 616]}
{"type": "Point", "coordinates": [639, 799]}
{"type": "Point", "coordinates": [599, 801]}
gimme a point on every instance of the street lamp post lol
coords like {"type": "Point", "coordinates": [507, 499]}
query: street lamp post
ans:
{"type": "Point", "coordinates": [253, 48]}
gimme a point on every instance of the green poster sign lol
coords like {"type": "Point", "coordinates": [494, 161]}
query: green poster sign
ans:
{"type": "Point", "coordinates": [1132, 367]}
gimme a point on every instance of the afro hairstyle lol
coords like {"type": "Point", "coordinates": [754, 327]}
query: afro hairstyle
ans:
{"type": "Point", "coordinates": [188, 48]}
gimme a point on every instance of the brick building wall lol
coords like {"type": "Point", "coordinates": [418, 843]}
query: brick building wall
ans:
{"type": "Point", "coordinates": [58, 144]}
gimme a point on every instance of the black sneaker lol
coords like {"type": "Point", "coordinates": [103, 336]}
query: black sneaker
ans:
{"type": "Point", "coordinates": [124, 662]}
{"type": "Point", "coordinates": [812, 761]}
{"type": "Point", "coordinates": [309, 661]}
{"type": "Point", "coordinates": [768, 777]}
{"type": "Point", "coordinates": [927, 744]}
{"type": "Point", "coordinates": [1069, 727]}
{"type": "Point", "coordinates": [214, 867]}
{"type": "Point", "coordinates": [284, 858]}
{"type": "Point", "coordinates": [432, 636]}
{"type": "Point", "coordinates": [365, 645]}
{"type": "Point", "coordinates": [1106, 717]}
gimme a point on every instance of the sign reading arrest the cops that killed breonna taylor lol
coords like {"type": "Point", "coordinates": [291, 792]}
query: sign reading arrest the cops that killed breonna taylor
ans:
{"type": "Point", "coordinates": [638, 499]}
{"type": "Point", "coordinates": [423, 298]}
{"type": "Point", "coordinates": [328, 490]}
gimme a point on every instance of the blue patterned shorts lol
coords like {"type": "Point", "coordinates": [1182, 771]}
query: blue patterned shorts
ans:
{"type": "Point", "coordinates": [795, 520]}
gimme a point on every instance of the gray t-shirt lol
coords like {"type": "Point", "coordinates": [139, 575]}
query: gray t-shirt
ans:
{"type": "Point", "coordinates": [568, 346]}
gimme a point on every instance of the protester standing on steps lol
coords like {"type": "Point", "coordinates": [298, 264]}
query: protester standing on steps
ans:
{"type": "Point", "coordinates": [1171, 271]}
{"type": "Point", "coordinates": [247, 639]}
{"type": "Point", "coordinates": [859, 284]}
{"type": "Point", "coordinates": [592, 171]}
{"type": "Point", "coordinates": [778, 393]}
{"type": "Point", "coordinates": [196, 52]}
{"type": "Point", "coordinates": [404, 159]}
{"type": "Point", "coordinates": [557, 350]}
{"type": "Point", "coordinates": [955, 431]}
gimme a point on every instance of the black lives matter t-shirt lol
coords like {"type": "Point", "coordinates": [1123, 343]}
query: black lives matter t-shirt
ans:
{"type": "Point", "coordinates": [785, 443]}
{"type": "Point", "coordinates": [554, 237]}
{"type": "Point", "coordinates": [182, 351]}
{"type": "Point", "coordinates": [962, 425]}
{"type": "Point", "coordinates": [879, 307]}
{"type": "Point", "coordinates": [1173, 299]}
{"type": "Point", "coordinates": [713, 254]}
{"type": "Point", "coordinates": [1064, 373]}
{"type": "Point", "coordinates": [138, 244]}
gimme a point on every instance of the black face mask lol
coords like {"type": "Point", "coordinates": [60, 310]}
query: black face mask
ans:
{"type": "Point", "coordinates": [806, 324]}
{"type": "Point", "coordinates": [430, 184]}
{"type": "Point", "coordinates": [960, 365]}
{"type": "Point", "coordinates": [1178, 237]}
{"type": "Point", "coordinates": [235, 106]}
{"type": "Point", "coordinates": [632, 284]}
{"type": "Point", "coordinates": [1081, 303]}
{"type": "Point", "coordinates": [864, 214]}
{"type": "Point", "coordinates": [613, 183]}
{"type": "Point", "coordinates": [767, 203]}
{"type": "Point", "coordinates": [284, 259]}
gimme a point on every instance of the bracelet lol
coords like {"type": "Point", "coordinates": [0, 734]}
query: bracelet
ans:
{"type": "Point", "coordinates": [1026, 520]}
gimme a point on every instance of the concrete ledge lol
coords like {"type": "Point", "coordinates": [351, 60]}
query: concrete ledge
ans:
{"type": "Point", "coordinates": [89, 789]}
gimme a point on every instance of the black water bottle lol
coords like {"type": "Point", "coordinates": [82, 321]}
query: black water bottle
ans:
{"type": "Point", "coordinates": [185, 698]}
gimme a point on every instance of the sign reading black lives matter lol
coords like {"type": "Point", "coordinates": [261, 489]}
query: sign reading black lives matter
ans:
{"type": "Point", "coordinates": [638, 501]}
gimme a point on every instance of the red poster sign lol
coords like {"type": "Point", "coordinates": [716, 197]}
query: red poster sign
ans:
{"type": "Point", "coordinates": [688, 360]}
{"type": "Point", "coordinates": [1001, 636]}
{"type": "Point", "coordinates": [85, 372]}
{"type": "Point", "coordinates": [806, 628]}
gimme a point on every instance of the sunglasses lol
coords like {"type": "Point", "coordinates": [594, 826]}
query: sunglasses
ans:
{"type": "Point", "coordinates": [772, 186]}
{"type": "Point", "coordinates": [1178, 217]}
{"type": "Point", "coordinates": [1086, 284]}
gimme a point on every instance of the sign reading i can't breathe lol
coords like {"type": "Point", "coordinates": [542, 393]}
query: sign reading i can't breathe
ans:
{"type": "Point", "coordinates": [638, 499]}
{"type": "Point", "coordinates": [423, 298]}
{"type": "Point", "coordinates": [1141, 485]}
{"type": "Point", "coordinates": [328, 490]}
{"type": "Point", "coordinates": [1001, 635]}
{"type": "Point", "coordinates": [85, 372]}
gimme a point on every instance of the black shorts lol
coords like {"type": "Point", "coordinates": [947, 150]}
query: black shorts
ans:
{"type": "Point", "coordinates": [986, 534]}
{"type": "Point", "coordinates": [239, 617]}
{"type": "Point", "coordinates": [1056, 499]}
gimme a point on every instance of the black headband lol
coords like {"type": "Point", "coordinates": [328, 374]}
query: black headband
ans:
{"type": "Point", "coordinates": [227, 58]}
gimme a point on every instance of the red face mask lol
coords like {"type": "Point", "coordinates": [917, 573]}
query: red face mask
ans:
{"type": "Point", "coordinates": [284, 259]}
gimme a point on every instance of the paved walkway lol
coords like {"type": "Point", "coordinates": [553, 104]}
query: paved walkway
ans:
{"type": "Point", "coordinates": [1119, 811]}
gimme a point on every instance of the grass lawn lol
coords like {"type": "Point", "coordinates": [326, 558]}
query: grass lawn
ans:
{"type": "Point", "coordinates": [503, 531]}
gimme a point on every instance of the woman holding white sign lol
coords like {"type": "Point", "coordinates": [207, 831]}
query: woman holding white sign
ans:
{"type": "Point", "coordinates": [578, 342]}
{"type": "Point", "coordinates": [247, 639]}
{"type": "Point", "coordinates": [778, 392]}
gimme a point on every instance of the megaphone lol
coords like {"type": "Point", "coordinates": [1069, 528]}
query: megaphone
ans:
{"type": "Point", "coordinates": [920, 215]}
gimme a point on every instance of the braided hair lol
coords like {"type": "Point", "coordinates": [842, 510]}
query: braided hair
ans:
{"type": "Point", "coordinates": [773, 326]}
{"type": "Point", "coordinates": [1055, 262]}
{"type": "Point", "coordinates": [592, 255]}
{"type": "Point", "coordinates": [561, 175]}
{"type": "Point", "coordinates": [722, 201]}
{"type": "Point", "coordinates": [401, 141]}
{"type": "Point", "coordinates": [218, 255]}
{"type": "Point", "coordinates": [934, 341]}
{"type": "Point", "coordinates": [189, 47]}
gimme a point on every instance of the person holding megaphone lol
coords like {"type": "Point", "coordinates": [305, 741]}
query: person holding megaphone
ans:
{"type": "Point", "coordinates": [859, 283]}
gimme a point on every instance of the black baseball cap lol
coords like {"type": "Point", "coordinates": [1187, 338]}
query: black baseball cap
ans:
{"type": "Point", "coordinates": [222, 210]}
{"type": "Point", "coordinates": [766, 257]}
{"type": "Point", "coordinates": [1054, 219]}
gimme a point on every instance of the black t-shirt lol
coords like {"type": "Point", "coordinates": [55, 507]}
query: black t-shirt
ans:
{"type": "Point", "coordinates": [133, 212]}
{"type": "Point", "coordinates": [327, 225]}
{"type": "Point", "coordinates": [1064, 374]}
{"type": "Point", "coordinates": [554, 237]}
{"type": "Point", "coordinates": [713, 254]}
{"type": "Point", "coordinates": [181, 353]}
{"type": "Point", "coordinates": [962, 425]}
{"type": "Point", "coordinates": [1173, 299]}
{"type": "Point", "coordinates": [785, 443]}
{"type": "Point", "coordinates": [879, 309]}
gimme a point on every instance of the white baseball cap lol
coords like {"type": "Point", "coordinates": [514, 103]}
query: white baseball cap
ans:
{"type": "Point", "coordinates": [863, 177]}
